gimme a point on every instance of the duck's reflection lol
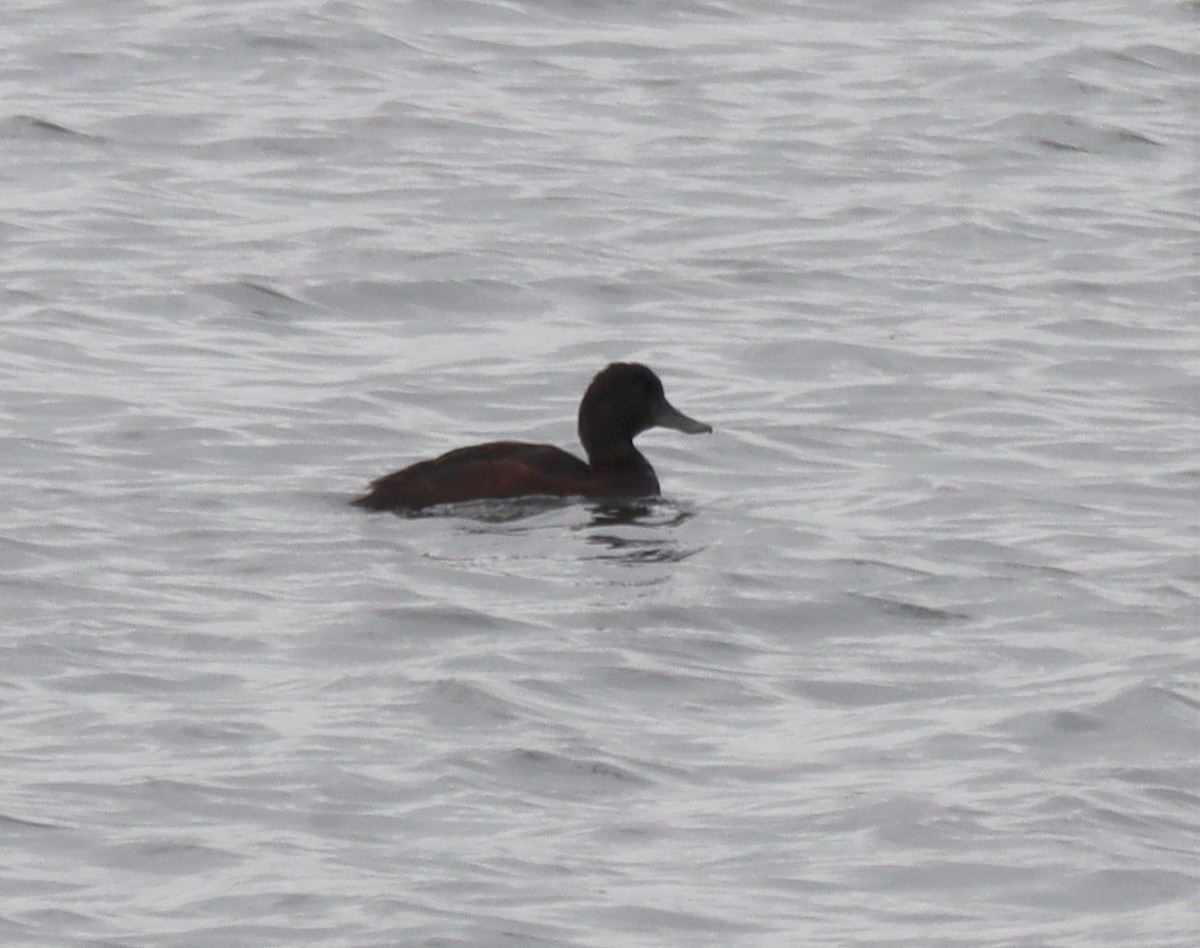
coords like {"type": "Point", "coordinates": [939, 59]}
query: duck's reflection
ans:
{"type": "Point", "coordinates": [648, 512]}
{"type": "Point", "coordinates": [630, 532]}
{"type": "Point", "coordinates": [653, 518]}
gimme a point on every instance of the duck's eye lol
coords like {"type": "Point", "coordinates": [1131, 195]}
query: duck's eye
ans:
{"type": "Point", "coordinates": [643, 383]}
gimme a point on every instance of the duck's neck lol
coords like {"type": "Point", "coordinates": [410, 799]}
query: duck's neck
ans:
{"type": "Point", "coordinates": [630, 473]}
{"type": "Point", "coordinates": [605, 441]}
{"type": "Point", "coordinates": [629, 457]}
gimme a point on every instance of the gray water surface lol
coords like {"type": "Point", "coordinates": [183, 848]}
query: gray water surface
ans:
{"type": "Point", "coordinates": [907, 653]}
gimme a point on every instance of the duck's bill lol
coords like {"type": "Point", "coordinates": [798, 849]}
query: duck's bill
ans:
{"type": "Point", "coordinates": [668, 416]}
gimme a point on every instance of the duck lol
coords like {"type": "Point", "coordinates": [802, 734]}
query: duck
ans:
{"type": "Point", "coordinates": [623, 400]}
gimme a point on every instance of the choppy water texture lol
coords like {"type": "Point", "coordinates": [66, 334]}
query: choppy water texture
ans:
{"type": "Point", "coordinates": [907, 655]}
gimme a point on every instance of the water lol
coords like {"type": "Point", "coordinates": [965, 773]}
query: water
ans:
{"type": "Point", "coordinates": [905, 656]}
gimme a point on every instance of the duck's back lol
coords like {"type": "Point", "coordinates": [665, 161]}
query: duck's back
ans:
{"type": "Point", "coordinates": [498, 469]}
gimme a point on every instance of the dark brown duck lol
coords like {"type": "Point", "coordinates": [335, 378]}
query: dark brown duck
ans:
{"type": "Point", "coordinates": [623, 400]}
